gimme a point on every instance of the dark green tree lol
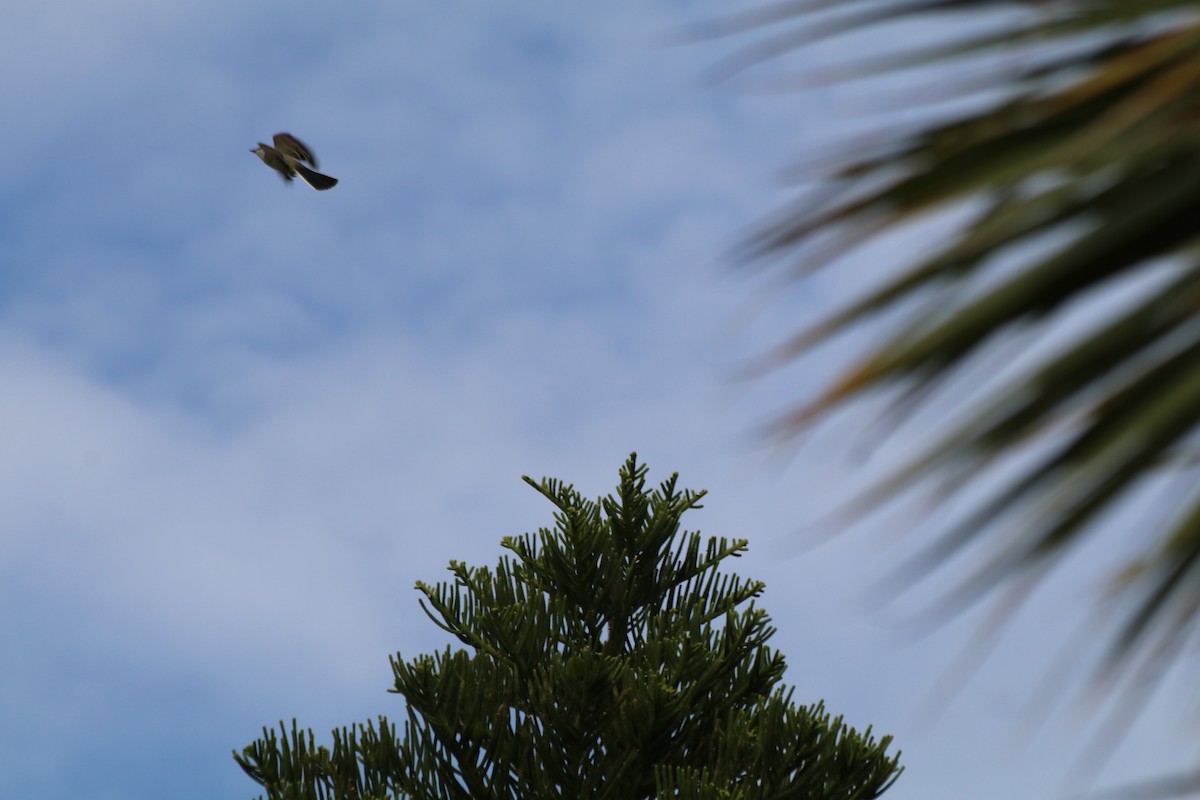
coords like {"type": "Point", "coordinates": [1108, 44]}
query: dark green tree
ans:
{"type": "Point", "coordinates": [606, 657]}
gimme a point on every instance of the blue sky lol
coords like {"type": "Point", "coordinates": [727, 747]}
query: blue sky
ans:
{"type": "Point", "coordinates": [240, 418]}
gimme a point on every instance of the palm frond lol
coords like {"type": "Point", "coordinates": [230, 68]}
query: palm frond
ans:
{"type": "Point", "coordinates": [1089, 148]}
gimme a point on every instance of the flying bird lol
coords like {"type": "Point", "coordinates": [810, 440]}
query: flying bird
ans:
{"type": "Point", "coordinates": [288, 158]}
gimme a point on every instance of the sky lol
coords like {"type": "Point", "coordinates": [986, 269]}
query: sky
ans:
{"type": "Point", "coordinates": [241, 418]}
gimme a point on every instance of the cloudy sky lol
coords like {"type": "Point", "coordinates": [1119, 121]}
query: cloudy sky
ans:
{"type": "Point", "coordinates": [239, 419]}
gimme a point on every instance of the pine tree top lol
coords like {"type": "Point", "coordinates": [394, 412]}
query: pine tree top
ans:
{"type": "Point", "coordinates": [607, 656]}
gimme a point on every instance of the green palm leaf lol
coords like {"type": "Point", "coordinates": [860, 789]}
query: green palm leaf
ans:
{"type": "Point", "coordinates": [1086, 154]}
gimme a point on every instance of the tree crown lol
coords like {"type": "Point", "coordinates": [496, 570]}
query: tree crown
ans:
{"type": "Point", "coordinates": [604, 657]}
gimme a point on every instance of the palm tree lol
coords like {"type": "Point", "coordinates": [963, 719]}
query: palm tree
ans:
{"type": "Point", "coordinates": [1074, 155]}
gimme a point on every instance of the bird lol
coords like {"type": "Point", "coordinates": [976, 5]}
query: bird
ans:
{"type": "Point", "coordinates": [287, 158]}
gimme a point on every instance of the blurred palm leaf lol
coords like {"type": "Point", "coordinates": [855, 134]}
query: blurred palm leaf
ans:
{"type": "Point", "coordinates": [1083, 149]}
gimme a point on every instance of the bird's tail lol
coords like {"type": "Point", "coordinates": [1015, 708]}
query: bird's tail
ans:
{"type": "Point", "coordinates": [315, 179]}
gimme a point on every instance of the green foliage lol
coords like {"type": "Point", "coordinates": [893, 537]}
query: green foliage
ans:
{"type": "Point", "coordinates": [1078, 163]}
{"type": "Point", "coordinates": [604, 658]}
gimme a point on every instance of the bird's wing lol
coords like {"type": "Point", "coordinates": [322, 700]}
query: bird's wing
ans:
{"type": "Point", "coordinates": [291, 146]}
